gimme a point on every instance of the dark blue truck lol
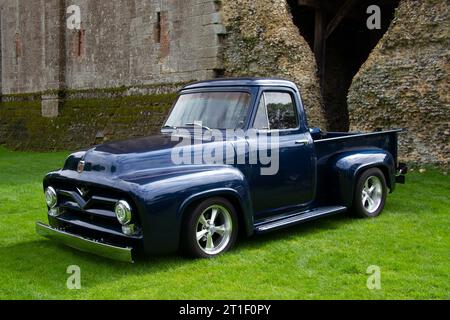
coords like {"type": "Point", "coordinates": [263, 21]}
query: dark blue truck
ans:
{"type": "Point", "coordinates": [150, 196]}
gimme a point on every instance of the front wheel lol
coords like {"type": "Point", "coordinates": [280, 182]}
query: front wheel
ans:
{"type": "Point", "coordinates": [210, 229]}
{"type": "Point", "coordinates": [370, 194]}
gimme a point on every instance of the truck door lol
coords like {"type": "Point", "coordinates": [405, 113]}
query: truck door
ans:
{"type": "Point", "coordinates": [293, 184]}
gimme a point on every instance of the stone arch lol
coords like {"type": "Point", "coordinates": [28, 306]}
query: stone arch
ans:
{"type": "Point", "coordinates": [338, 34]}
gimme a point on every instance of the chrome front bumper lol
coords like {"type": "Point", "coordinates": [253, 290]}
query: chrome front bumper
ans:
{"type": "Point", "coordinates": [77, 242]}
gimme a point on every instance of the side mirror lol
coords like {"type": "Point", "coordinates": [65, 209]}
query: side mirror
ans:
{"type": "Point", "coordinates": [315, 131]}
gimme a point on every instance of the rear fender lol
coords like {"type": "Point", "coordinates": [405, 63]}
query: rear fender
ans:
{"type": "Point", "coordinates": [349, 166]}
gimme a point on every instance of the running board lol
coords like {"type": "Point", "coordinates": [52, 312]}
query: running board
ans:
{"type": "Point", "coordinates": [293, 219]}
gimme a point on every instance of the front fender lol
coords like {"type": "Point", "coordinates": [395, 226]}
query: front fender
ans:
{"type": "Point", "coordinates": [238, 194]}
{"type": "Point", "coordinates": [163, 201]}
{"type": "Point", "coordinates": [348, 167]}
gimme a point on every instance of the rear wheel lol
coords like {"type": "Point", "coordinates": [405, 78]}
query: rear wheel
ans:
{"type": "Point", "coordinates": [370, 194]}
{"type": "Point", "coordinates": [210, 229]}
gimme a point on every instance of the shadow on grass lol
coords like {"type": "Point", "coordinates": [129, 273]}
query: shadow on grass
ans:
{"type": "Point", "coordinates": [305, 229]}
{"type": "Point", "coordinates": [43, 263]}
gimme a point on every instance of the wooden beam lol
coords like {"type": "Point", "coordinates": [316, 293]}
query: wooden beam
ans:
{"type": "Point", "coordinates": [319, 38]}
{"type": "Point", "coordinates": [340, 14]}
{"type": "Point", "coordinates": [320, 43]}
{"type": "Point", "coordinates": [329, 7]}
{"type": "Point", "coordinates": [309, 3]}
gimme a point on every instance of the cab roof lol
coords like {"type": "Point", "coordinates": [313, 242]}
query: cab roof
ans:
{"type": "Point", "coordinates": [241, 82]}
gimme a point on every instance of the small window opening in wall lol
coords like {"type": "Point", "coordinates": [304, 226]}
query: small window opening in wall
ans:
{"type": "Point", "coordinates": [18, 43]}
{"type": "Point", "coordinates": [79, 42]}
{"type": "Point", "coordinates": [158, 28]}
{"type": "Point", "coordinates": [163, 33]}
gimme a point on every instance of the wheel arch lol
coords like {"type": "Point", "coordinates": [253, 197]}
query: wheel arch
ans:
{"type": "Point", "coordinates": [382, 167]}
{"type": "Point", "coordinates": [349, 168]}
{"type": "Point", "coordinates": [242, 206]}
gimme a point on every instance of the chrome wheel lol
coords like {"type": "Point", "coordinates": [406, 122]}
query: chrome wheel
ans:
{"type": "Point", "coordinates": [214, 229]}
{"type": "Point", "coordinates": [372, 194]}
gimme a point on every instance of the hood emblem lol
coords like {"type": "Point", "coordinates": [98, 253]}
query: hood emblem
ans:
{"type": "Point", "coordinates": [80, 167]}
{"type": "Point", "coordinates": [82, 191]}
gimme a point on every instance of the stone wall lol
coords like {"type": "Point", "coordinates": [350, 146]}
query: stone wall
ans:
{"type": "Point", "coordinates": [120, 43]}
{"type": "Point", "coordinates": [123, 44]}
{"type": "Point", "coordinates": [405, 82]}
{"type": "Point", "coordinates": [30, 44]}
{"type": "Point", "coordinates": [263, 40]}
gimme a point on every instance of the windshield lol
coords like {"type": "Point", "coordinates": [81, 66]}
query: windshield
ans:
{"type": "Point", "coordinates": [215, 110]}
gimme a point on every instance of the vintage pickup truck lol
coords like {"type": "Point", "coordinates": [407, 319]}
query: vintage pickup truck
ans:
{"type": "Point", "coordinates": [125, 199]}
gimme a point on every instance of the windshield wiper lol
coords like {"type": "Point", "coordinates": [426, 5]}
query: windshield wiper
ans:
{"type": "Point", "coordinates": [169, 127]}
{"type": "Point", "coordinates": [193, 124]}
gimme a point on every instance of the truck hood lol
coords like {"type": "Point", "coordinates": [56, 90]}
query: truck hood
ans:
{"type": "Point", "coordinates": [143, 154]}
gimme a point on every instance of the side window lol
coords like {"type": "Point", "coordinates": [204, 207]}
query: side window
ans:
{"type": "Point", "coordinates": [261, 120]}
{"type": "Point", "coordinates": [281, 111]}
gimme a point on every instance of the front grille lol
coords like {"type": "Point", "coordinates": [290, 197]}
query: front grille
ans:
{"type": "Point", "coordinates": [91, 204]}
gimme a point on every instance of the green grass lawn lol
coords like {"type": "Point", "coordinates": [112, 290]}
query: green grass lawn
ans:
{"type": "Point", "coordinates": [325, 259]}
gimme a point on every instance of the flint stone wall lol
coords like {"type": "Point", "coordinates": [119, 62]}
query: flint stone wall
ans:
{"type": "Point", "coordinates": [262, 40]}
{"type": "Point", "coordinates": [405, 82]}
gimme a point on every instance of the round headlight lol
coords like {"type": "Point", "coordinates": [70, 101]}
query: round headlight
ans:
{"type": "Point", "coordinates": [51, 198]}
{"type": "Point", "coordinates": [123, 212]}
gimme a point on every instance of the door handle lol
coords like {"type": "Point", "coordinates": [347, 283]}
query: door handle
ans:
{"type": "Point", "coordinates": [302, 142]}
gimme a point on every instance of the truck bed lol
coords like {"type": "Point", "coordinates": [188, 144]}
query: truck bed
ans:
{"type": "Point", "coordinates": [330, 143]}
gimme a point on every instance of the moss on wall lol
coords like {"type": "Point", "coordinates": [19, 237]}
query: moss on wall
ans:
{"type": "Point", "coordinates": [82, 122]}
